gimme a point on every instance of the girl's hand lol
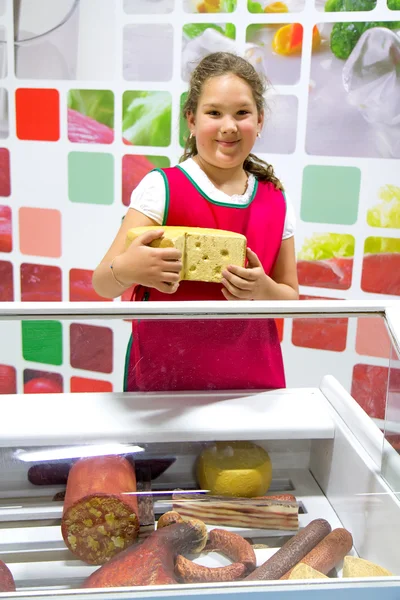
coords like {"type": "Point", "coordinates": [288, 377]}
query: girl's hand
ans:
{"type": "Point", "coordinates": [242, 283]}
{"type": "Point", "coordinates": [157, 268]}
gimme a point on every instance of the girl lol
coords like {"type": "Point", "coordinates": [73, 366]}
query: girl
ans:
{"type": "Point", "coordinates": [218, 184]}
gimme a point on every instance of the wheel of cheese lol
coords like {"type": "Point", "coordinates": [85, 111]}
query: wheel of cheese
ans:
{"type": "Point", "coordinates": [240, 469]}
{"type": "Point", "coordinates": [359, 567]}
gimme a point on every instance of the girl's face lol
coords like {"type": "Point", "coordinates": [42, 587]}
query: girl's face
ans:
{"type": "Point", "coordinates": [226, 122]}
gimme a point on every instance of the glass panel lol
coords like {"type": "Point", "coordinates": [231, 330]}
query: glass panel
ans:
{"type": "Point", "coordinates": [85, 478]}
{"type": "Point", "coordinates": [391, 449]}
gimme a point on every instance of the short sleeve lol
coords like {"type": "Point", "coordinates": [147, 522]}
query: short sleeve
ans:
{"type": "Point", "coordinates": [290, 220]}
{"type": "Point", "coordinates": [148, 197]}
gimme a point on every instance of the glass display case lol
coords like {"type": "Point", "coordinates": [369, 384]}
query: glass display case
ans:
{"type": "Point", "coordinates": [212, 491]}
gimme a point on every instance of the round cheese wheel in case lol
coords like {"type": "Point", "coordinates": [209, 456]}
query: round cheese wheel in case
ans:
{"type": "Point", "coordinates": [100, 516]}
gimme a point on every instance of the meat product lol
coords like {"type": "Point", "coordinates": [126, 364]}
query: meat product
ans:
{"type": "Point", "coordinates": [381, 273]}
{"type": "Point", "coordinates": [100, 516]}
{"type": "Point", "coordinates": [328, 553]}
{"type": "Point", "coordinates": [7, 583]}
{"type": "Point", "coordinates": [234, 547]}
{"type": "Point", "coordinates": [190, 572]}
{"type": "Point", "coordinates": [5, 184]}
{"type": "Point", "coordinates": [6, 281]}
{"type": "Point", "coordinates": [5, 229]}
{"type": "Point", "coordinates": [265, 512]}
{"type": "Point", "coordinates": [169, 518]}
{"type": "Point", "coordinates": [151, 562]}
{"type": "Point", "coordinates": [330, 273]}
{"type": "Point", "coordinates": [52, 473]}
{"type": "Point", "coordinates": [292, 552]}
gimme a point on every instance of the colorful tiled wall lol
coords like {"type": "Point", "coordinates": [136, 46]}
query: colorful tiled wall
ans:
{"type": "Point", "coordinates": [90, 97]}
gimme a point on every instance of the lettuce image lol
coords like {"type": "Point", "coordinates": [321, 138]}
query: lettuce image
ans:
{"type": "Point", "coordinates": [387, 212]}
{"type": "Point", "coordinates": [96, 104]}
{"type": "Point", "coordinates": [146, 118]}
{"type": "Point", "coordinates": [193, 30]}
{"type": "Point", "coordinates": [322, 246]}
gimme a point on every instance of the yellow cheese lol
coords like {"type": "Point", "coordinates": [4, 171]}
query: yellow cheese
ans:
{"type": "Point", "coordinates": [234, 469]}
{"type": "Point", "coordinates": [205, 252]}
{"type": "Point", "coordinates": [358, 567]}
{"type": "Point", "coordinates": [303, 571]}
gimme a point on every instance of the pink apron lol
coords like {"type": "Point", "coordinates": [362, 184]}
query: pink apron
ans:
{"type": "Point", "coordinates": [174, 355]}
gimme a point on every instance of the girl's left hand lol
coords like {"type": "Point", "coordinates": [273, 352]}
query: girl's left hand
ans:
{"type": "Point", "coordinates": [245, 283]}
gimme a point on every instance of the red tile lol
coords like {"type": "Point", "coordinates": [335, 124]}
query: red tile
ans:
{"type": "Point", "coordinates": [369, 387]}
{"type": "Point", "coordinates": [330, 273]}
{"type": "Point", "coordinates": [42, 382]}
{"type": "Point", "coordinates": [40, 283]}
{"type": "Point", "coordinates": [8, 380]}
{"type": "Point", "coordinates": [91, 348]}
{"type": "Point", "coordinates": [6, 282]}
{"type": "Point", "coordinates": [81, 384]}
{"type": "Point", "coordinates": [81, 288]}
{"type": "Point", "coordinates": [381, 273]}
{"type": "Point", "coordinates": [5, 229]}
{"type": "Point", "coordinates": [321, 334]}
{"type": "Point", "coordinates": [37, 114]}
{"type": "Point", "coordinates": [5, 183]}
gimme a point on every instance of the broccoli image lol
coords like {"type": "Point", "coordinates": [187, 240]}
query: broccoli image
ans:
{"type": "Point", "coordinates": [345, 36]}
{"type": "Point", "coordinates": [349, 5]}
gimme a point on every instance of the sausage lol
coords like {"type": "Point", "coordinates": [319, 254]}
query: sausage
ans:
{"type": "Point", "coordinates": [169, 518]}
{"type": "Point", "coordinates": [189, 572]}
{"type": "Point", "coordinates": [292, 552]}
{"type": "Point", "coordinates": [52, 473]}
{"type": "Point", "coordinates": [100, 516]}
{"type": "Point", "coordinates": [328, 553]}
{"type": "Point", "coordinates": [7, 583]}
{"type": "Point", "coordinates": [234, 546]}
{"type": "Point", "coordinates": [151, 562]}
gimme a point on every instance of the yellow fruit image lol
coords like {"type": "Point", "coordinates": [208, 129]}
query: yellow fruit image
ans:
{"type": "Point", "coordinates": [240, 469]}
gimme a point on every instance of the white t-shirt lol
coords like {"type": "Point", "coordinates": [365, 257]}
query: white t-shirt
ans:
{"type": "Point", "coordinates": [148, 197]}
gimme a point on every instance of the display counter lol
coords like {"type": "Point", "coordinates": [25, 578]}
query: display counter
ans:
{"type": "Point", "coordinates": [218, 492]}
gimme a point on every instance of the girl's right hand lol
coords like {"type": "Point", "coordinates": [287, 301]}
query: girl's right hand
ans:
{"type": "Point", "coordinates": [157, 268]}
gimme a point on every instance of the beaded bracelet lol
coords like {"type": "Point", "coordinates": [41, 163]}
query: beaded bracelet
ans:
{"type": "Point", "coordinates": [115, 277]}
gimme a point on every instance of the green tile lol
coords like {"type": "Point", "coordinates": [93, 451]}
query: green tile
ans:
{"type": "Point", "coordinates": [91, 177]}
{"type": "Point", "coordinates": [330, 194]}
{"type": "Point", "coordinates": [42, 342]}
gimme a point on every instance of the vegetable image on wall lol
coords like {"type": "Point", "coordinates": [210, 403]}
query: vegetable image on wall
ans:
{"type": "Point", "coordinates": [91, 116]}
{"type": "Point", "coordinates": [200, 39]}
{"type": "Point", "coordinates": [209, 6]}
{"type": "Point", "coordinates": [269, 7]}
{"type": "Point", "coordinates": [354, 99]}
{"type": "Point", "coordinates": [275, 50]}
{"type": "Point", "coordinates": [326, 260]}
{"type": "Point", "coordinates": [42, 382]}
{"type": "Point", "coordinates": [381, 264]}
{"type": "Point", "coordinates": [345, 5]}
{"type": "Point", "coordinates": [146, 118]}
{"type": "Point", "coordinates": [8, 379]}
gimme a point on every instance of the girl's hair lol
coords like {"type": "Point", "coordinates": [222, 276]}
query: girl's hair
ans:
{"type": "Point", "coordinates": [215, 65]}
